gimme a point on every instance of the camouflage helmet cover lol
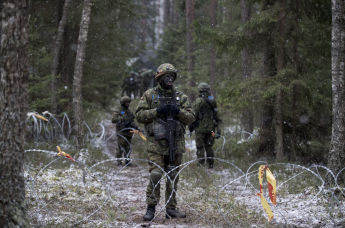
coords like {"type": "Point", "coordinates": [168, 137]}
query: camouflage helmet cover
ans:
{"type": "Point", "coordinates": [125, 99]}
{"type": "Point", "coordinates": [203, 87]}
{"type": "Point", "coordinates": [165, 68]}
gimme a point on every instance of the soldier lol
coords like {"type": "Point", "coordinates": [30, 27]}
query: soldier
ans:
{"type": "Point", "coordinates": [148, 79]}
{"type": "Point", "coordinates": [207, 121]}
{"type": "Point", "coordinates": [124, 120]}
{"type": "Point", "coordinates": [140, 83]}
{"type": "Point", "coordinates": [164, 110]}
{"type": "Point", "coordinates": [129, 85]}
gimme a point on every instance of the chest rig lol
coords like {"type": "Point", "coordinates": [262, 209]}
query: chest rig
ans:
{"type": "Point", "coordinates": [157, 96]}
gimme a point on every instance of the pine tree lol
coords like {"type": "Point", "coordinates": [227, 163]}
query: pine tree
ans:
{"type": "Point", "coordinates": [13, 106]}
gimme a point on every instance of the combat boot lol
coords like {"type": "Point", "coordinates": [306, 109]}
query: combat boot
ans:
{"type": "Point", "coordinates": [150, 213]}
{"type": "Point", "coordinates": [174, 213]}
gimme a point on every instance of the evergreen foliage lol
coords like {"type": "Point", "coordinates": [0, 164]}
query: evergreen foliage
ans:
{"type": "Point", "coordinates": [121, 30]}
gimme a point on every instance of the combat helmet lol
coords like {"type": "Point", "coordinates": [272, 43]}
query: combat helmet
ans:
{"type": "Point", "coordinates": [125, 99]}
{"type": "Point", "coordinates": [165, 68]}
{"type": "Point", "coordinates": [204, 87]}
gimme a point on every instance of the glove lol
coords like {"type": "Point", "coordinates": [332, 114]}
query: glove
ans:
{"type": "Point", "coordinates": [174, 110]}
{"type": "Point", "coordinates": [162, 110]}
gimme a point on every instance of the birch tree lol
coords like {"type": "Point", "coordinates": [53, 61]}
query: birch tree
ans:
{"type": "Point", "coordinates": [13, 108]}
{"type": "Point", "coordinates": [78, 70]}
{"type": "Point", "coordinates": [336, 157]}
{"type": "Point", "coordinates": [56, 54]}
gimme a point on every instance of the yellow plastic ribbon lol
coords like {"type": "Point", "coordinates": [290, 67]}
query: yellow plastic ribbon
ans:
{"type": "Point", "coordinates": [40, 117]}
{"type": "Point", "coordinates": [272, 186]}
{"type": "Point", "coordinates": [266, 207]}
{"type": "Point", "coordinates": [62, 153]}
{"type": "Point", "coordinates": [139, 133]}
{"type": "Point", "coordinates": [272, 190]}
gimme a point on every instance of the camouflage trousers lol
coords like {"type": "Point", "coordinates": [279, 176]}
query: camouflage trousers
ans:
{"type": "Point", "coordinates": [156, 174]}
{"type": "Point", "coordinates": [124, 146]}
{"type": "Point", "coordinates": [204, 142]}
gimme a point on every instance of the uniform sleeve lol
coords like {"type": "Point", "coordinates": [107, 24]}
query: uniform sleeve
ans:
{"type": "Point", "coordinates": [133, 124]}
{"type": "Point", "coordinates": [196, 107]}
{"type": "Point", "coordinates": [143, 112]}
{"type": "Point", "coordinates": [186, 114]}
{"type": "Point", "coordinates": [116, 116]}
{"type": "Point", "coordinates": [216, 116]}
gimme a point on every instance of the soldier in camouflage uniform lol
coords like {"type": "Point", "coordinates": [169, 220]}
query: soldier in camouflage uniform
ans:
{"type": "Point", "coordinates": [130, 85]}
{"type": "Point", "coordinates": [207, 121]}
{"type": "Point", "coordinates": [124, 120]}
{"type": "Point", "coordinates": [148, 79]}
{"type": "Point", "coordinates": [150, 112]}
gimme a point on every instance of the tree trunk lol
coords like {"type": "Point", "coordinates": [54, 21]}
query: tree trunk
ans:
{"type": "Point", "coordinates": [56, 55]}
{"type": "Point", "coordinates": [266, 138]}
{"type": "Point", "coordinates": [167, 13]}
{"type": "Point", "coordinates": [13, 109]}
{"type": "Point", "coordinates": [175, 16]}
{"type": "Point", "coordinates": [281, 63]}
{"type": "Point", "coordinates": [143, 27]}
{"type": "Point", "coordinates": [189, 39]}
{"type": "Point", "coordinates": [297, 65]}
{"type": "Point", "coordinates": [278, 126]}
{"type": "Point", "coordinates": [78, 70]}
{"type": "Point", "coordinates": [213, 21]}
{"type": "Point", "coordinates": [336, 157]}
{"type": "Point", "coordinates": [247, 115]}
{"type": "Point", "coordinates": [246, 60]}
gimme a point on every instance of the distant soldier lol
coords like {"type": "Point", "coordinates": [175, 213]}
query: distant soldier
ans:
{"type": "Point", "coordinates": [148, 79]}
{"type": "Point", "coordinates": [129, 85]}
{"type": "Point", "coordinates": [206, 124]}
{"type": "Point", "coordinates": [124, 120]}
{"type": "Point", "coordinates": [165, 112]}
{"type": "Point", "coordinates": [140, 83]}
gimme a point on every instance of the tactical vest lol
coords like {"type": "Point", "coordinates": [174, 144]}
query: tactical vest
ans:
{"type": "Point", "coordinates": [206, 115]}
{"type": "Point", "coordinates": [155, 103]}
{"type": "Point", "coordinates": [128, 119]}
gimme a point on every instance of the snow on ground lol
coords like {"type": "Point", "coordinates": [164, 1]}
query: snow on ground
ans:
{"type": "Point", "coordinates": [114, 196]}
{"type": "Point", "coordinates": [305, 209]}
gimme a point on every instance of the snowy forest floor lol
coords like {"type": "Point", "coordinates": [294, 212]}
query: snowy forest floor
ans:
{"type": "Point", "coordinates": [60, 194]}
{"type": "Point", "coordinates": [95, 192]}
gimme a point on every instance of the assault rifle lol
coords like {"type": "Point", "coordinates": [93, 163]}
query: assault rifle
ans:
{"type": "Point", "coordinates": [169, 131]}
{"type": "Point", "coordinates": [194, 125]}
{"type": "Point", "coordinates": [127, 123]}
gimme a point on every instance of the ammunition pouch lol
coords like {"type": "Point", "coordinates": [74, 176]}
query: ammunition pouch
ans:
{"type": "Point", "coordinates": [149, 129]}
{"type": "Point", "coordinates": [160, 130]}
